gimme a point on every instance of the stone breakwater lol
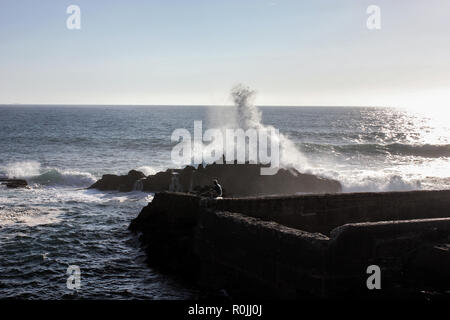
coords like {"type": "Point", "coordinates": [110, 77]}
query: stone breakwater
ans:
{"type": "Point", "coordinates": [238, 180]}
{"type": "Point", "coordinates": [303, 246]}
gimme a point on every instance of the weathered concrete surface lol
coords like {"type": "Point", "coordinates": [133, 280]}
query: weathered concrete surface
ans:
{"type": "Point", "coordinates": [323, 213]}
{"type": "Point", "coordinates": [236, 179]}
{"type": "Point", "coordinates": [251, 257]}
{"type": "Point", "coordinates": [412, 254]}
{"type": "Point", "coordinates": [244, 255]}
{"type": "Point", "coordinates": [167, 225]}
{"type": "Point", "coordinates": [257, 258]}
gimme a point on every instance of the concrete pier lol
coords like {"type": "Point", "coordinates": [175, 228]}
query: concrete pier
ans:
{"type": "Point", "coordinates": [303, 246]}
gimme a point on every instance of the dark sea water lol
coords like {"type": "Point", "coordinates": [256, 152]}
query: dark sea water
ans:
{"type": "Point", "coordinates": [62, 149]}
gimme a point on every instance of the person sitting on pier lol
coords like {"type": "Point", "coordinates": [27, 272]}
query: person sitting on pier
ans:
{"type": "Point", "coordinates": [212, 192]}
{"type": "Point", "coordinates": [217, 189]}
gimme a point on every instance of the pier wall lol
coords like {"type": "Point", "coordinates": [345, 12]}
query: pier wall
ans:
{"type": "Point", "coordinates": [323, 213]}
{"type": "Point", "coordinates": [251, 247]}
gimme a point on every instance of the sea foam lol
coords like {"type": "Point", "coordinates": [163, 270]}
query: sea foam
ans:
{"type": "Point", "coordinates": [246, 115]}
{"type": "Point", "coordinates": [34, 173]}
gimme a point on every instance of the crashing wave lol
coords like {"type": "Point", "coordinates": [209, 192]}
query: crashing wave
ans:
{"type": "Point", "coordinates": [425, 150]}
{"type": "Point", "coordinates": [66, 178]}
{"type": "Point", "coordinates": [33, 173]}
{"type": "Point", "coordinates": [246, 115]}
{"type": "Point", "coordinates": [377, 184]}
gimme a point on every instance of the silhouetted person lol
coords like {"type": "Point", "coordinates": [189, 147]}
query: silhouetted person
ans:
{"type": "Point", "coordinates": [217, 188]}
{"type": "Point", "coordinates": [214, 192]}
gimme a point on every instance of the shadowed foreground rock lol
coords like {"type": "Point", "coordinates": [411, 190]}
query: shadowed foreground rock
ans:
{"type": "Point", "coordinates": [239, 180]}
{"type": "Point", "coordinates": [13, 183]}
{"type": "Point", "coordinates": [288, 247]}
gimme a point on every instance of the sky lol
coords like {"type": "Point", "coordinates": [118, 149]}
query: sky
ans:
{"type": "Point", "coordinates": [191, 52]}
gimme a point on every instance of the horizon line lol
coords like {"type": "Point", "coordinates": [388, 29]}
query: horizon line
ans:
{"type": "Point", "coordinates": [186, 105]}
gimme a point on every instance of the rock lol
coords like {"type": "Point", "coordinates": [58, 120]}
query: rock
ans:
{"type": "Point", "coordinates": [238, 180]}
{"type": "Point", "coordinates": [14, 183]}
{"type": "Point", "coordinates": [124, 183]}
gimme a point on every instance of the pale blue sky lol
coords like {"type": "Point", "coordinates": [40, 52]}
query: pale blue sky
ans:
{"type": "Point", "coordinates": [192, 52]}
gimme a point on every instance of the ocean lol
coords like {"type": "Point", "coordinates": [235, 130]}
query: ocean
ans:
{"type": "Point", "coordinates": [61, 150]}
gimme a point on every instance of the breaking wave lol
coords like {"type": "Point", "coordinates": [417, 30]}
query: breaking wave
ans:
{"type": "Point", "coordinates": [147, 170]}
{"type": "Point", "coordinates": [33, 173]}
{"type": "Point", "coordinates": [64, 178]}
{"type": "Point", "coordinates": [425, 151]}
{"type": "Point", "coordinates": [22, 169]}
{"type": "Point", "coordinates": [376, 184]}
{"type": "Point", "coordinates": [246, 115]}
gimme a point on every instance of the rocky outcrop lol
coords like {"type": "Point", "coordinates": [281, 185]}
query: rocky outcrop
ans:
{"type": "Point", "coordinates": [13, 183]}
{"type": "Point", "coordinates": [124, 183]}
{"type": "Point", "coordinates": [238, 180]}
